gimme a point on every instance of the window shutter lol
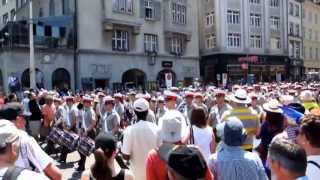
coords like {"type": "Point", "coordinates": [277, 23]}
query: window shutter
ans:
{"type": "Point", "coordinates": [142, 9]}
{"type": "Point", "coordinates": [157, 9]}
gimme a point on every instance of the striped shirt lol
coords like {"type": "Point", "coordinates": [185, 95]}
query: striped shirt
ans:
{"type": "Point", "coordinates": [250, 120]}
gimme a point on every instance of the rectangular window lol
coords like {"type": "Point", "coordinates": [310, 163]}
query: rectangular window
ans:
{"type": "Point", "coordinates": [233, 17]}
{"type": "Point", "coordinates": [5, 18]}
{"type": "Point", "coordinates": [148, 5]}
{"type": "Point", "coordinates": [310, 34]}
{"type": "Point", "coordinates": [4, 2]}
{"type": "Point", "coordinates": [179, 13]}
{"type": "Point", "coordinates": [209, 19]}
{"type": "Point", "coordinates": [297, 50]}
{"type": "Point", "coordinates": [120, 40]}
{"type": "Point", "coordinates": [13, 15]}
{"type": "Point", "coordinates": [176, 44]}
{"type": "Point", "coordinates": [255, 20]}
{"type": "Point", "coordinates": [123, 6]}
{"type": "Point", "coordinates": [316, 18]}
{"type": "Point", "coordinates": [275, 23]}
{"type": "Point", "coordinates": [316, 35]}
{"type": "Point", "coordinates": [210, 41]}
{"type": "Point", "coordinates": [234, 40]}
{"type": "Point", "coordinates": [150, 43]}
{"type": "Point", "coordinates": [310, 16]}
{"type": "Point", "coordinates": [255, 1]}
{"type": "Point", "coordinates": [255, 41]}
{"type": "Point", "coordinates": [317, 53]}
{"type": "Point", "coordinates": [291, 10]}
{"type": "Point", "coordinates": [297, 10]}
{"type": "Point", "coordinates": [310, 53]}
{"type": "Point", "coordinates": [297, 30]}
{"type": "Point", "coordinates": [291, 30]}
{"type": "Point", "coordinates": [274, 3]}
{"type": "Point", "coordinates": [275, 43]}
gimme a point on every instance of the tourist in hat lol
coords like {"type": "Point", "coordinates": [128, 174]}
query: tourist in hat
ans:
{"type": "Point", "coordinates": [31, 155]}
{"type": "Point", "coordinates": [249, 118]}
{"type": "Point", "coordinates": [231, 161]}
{"type": "Point", "coordinates": [272, 125]}
{"type": "Point", "coordinates": [171, 132]}
{"type": "Point", "coordinates": [201, 134]}
{"type": "Point", "coordinates": [184, 162]}
{"type": "Point", "coordinates": [215, 116]}
{"type": "Point", "coordinates": [139, 139]}
{"type": "Point", "coordinates": [308, 100]}
{"type": "Point", "coordinates": [287, 160]}
{"type": "Point", "coordinates": [105, 165]}
{"type": "Point", "coordinates": [9, 153]}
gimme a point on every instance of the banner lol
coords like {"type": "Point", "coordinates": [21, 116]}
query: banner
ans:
{"type": "Point", "coordinates": [168, 78]}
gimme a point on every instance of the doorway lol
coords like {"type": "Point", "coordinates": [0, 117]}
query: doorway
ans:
{"type": "Point", "coordinates": [101, 83]}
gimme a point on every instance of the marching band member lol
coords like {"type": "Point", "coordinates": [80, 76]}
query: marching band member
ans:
{"type": "Point", "coordinates": [215, 116]}
{"type": "Point", "coordinates": [161, 108]}
{"type": "Point", "coordinates": [198, 100]}
{"type": "Point", "coordinates": [111, 120]}
{"type": "Point", "coordinates": [86, 126]}
{"type": "Point", "coordinates": [187, 106]}
{"type": "Point", "coordinates": [118, 105]}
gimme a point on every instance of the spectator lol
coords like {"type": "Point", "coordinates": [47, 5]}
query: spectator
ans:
{"type": "Point", "coordinates": [287, 160]}
{"type": "Point", "coordinates": [9, 151]}
{"type": "Point", "coordinates": [273, 125]}
{"type": "Point", "coordinates": [30, 153]}
{"type": "Point", "coordinates": [105, 165]}
{"type": "Point", "coordinates": [308, 100]}
{"type": "Point", "coordinates": [309, 139]}
{"type": "Point", "coordinates": [201, 134]}
{"type": "Point", "coordinates": [249, 118]}
{"type": "Point", "coordinates": [171, 133]}
{"type": "Point", "coordinates": [36, 115]}
{"type": "Point", "coordinates": [139, 139]}
{"type": "Point", "coordinates": [232, 162]}
{"type": "Point", "coordinates": [185, 162]}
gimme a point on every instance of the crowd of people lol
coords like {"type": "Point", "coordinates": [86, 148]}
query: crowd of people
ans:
{"type": "Point", "coordinates": [261, 131]}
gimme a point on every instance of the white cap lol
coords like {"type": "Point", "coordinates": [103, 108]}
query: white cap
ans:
{"type": "Point", "coordinates": [8, 133]}
{"type": "Point", "coordinates": [141, 105]}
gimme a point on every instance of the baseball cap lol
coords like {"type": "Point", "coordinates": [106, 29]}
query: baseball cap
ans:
{"type": "Point", "coordinates": [186, 160]}
{"type": "Point", "coordinates": [171, 126]}
{"type": "Point", "coordinates": [11, 111]}
{"type": "Point", "coordinates": [105, 141]}
{"type": "Point", "coordinates": [8, 133]}
{"type": "Point", "coordinates": [141, 105]}
{"type": "Point", "coordinates": [232, 131]}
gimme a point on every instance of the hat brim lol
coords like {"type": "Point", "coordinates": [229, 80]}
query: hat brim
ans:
{"type": "Point", "coordinates": [236, 100]}
{"type": "Point", "coordinates": [168, 137]}
{"type": "Point", "coordinates": [273, 110]}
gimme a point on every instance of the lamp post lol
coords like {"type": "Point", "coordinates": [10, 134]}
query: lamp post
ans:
{"type": "Point", "coordinates": [32, 69]}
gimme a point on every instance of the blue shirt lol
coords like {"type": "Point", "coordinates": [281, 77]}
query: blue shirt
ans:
{"type": "Point", "coordinates": [233, 163]}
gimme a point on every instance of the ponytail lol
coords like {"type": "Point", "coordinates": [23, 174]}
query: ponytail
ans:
{"type": "Point", "coordinates": [100, 169]}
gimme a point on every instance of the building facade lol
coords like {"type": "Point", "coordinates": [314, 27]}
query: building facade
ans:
{"type": "Point", "coordinates": [295, 38]}
{"type": "Point", "coordinates": [243, 39]}
{"type": "Point", "coordinates": [311, 39]}
{"type": "Point", "coordinates": [112, 44]}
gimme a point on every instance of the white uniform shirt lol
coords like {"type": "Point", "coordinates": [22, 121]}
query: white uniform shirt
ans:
{"type": "Point", "coordinates": [25, 104]}
{"type": "Point", "coordinates": [313, 172]}
{"type": "Point", "coordinates": [138, 140]}
{"type": "Point", "coordinates": [24, 175]}
{"type": "Point", "coordinates": [30, 151]}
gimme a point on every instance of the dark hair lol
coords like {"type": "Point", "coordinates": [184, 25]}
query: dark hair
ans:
{"type": "Point", "coordinates": [289, 155]}
{"type": "Point", "coordinates": [310, 127]}
{"type": "Point", "coordinates": [198, 117]}
{"type": "Point", "coordinates": [100, 169]}
{"type": "Point", "coordinates": [275, 121]}
{"type": "Point", "coordinates": [11, 97]}
{"type": "Point", "coordinates": [141, 115]}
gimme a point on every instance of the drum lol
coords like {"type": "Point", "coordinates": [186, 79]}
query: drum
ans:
{"type": "Point", "coordinates": [55, 135]}
{"type": "Point", "coordinates": [86, 146]}
{"type": "Point", "coordinates": [69, 140]}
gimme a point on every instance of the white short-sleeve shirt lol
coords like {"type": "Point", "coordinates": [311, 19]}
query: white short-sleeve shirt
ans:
{"type": "Point", "coordinates": [30, 151]}
{"type": "Point", "coordinates": [138, 140]}
{"type": "Point", "coordinates": [313, 172]}
{"type": "Point", "coordinates": [25, 174]}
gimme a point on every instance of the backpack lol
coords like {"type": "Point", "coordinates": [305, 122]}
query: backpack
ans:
{"type": "Point", "coordinates": [12, 173]}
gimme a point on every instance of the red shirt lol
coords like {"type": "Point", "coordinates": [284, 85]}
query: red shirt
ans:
{"type": "Point", "coordinates": [157, 170]}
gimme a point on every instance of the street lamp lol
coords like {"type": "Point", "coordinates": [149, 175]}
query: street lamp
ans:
{"type": "Point", "coordinates": [32, 68]}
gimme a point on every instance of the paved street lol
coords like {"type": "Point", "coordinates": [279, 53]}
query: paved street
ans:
{"type": "Point", "coordinates": [69, 169]}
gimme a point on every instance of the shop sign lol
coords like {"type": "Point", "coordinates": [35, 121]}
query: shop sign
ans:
{"type": "Point", "coordinates": [167, 64]}
{"type": "Point", "coordinates": [249, 59]}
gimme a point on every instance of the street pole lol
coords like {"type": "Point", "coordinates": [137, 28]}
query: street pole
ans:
{"type": "Point", "coordinates": [32, 69]}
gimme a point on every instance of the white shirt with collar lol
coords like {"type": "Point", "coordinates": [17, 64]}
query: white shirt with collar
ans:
{"type": "Point", "coordinates": [313, 172]}
{"type": "Point", "coordinates": [24, 175]}
{"type": "Point", "coordinates": [30, 151]}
